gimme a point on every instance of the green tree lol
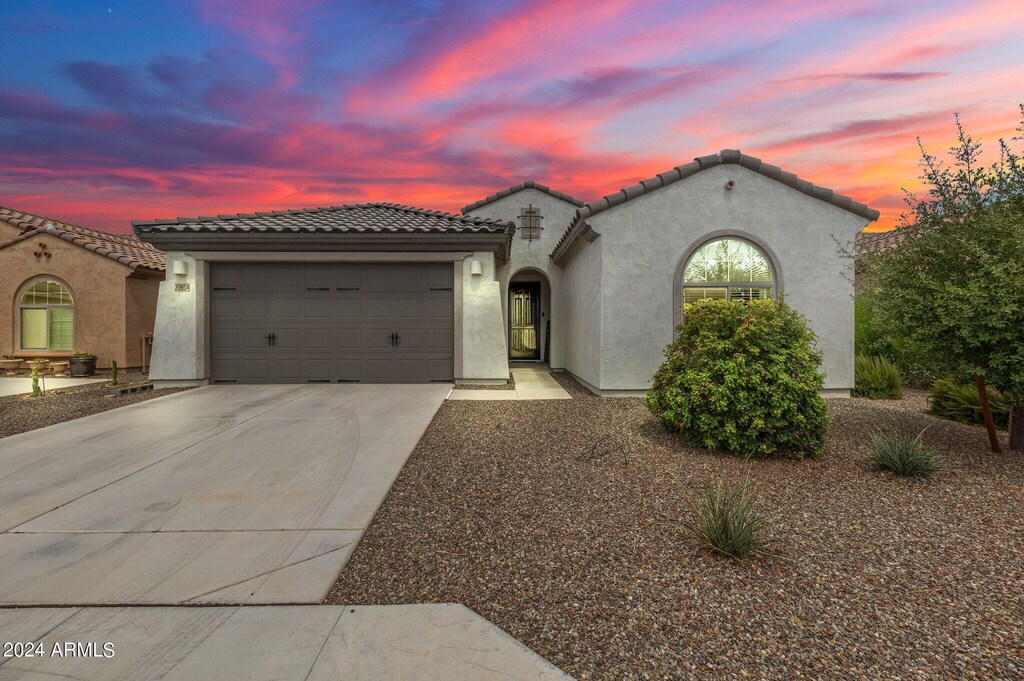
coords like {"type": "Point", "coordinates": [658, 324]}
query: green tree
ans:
{"type": "Point", "coordinates": [953, 288]}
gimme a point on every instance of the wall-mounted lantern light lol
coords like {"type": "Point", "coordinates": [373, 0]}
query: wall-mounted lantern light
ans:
{"type": "Point", "coordinates": [180, 268]}
{"type": "Point", "coordinates": [475, 268]}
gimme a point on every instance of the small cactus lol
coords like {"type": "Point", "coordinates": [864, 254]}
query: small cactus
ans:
{"type": "Point", "coordinates": [113, 372]}
{"type": "Point", "coordinates": [36, 390]}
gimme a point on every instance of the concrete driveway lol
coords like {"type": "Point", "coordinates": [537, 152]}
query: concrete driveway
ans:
{"type": "Point", "coordinates": [223, 494]}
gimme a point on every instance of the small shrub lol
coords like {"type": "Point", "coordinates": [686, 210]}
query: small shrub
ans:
{"type": "Point", "coordinates": [84, 355]}
{"type": "Point", "coordinates": [904, 455]}
{"type": "Point", "coordinates": [728, 521]}
{"type": "Point", "coordinates": [743, 377]}
{"type": "Point", "coordinates": [956, 401]}
{"type": "Point", "coordinates": [877, 378]}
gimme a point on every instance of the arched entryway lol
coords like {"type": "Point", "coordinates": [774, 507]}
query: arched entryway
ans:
{"type": "Point", "coordinates": [529, 316]}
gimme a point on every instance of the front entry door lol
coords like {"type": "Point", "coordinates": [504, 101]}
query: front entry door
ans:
{"type": "Point", "coordinates": [524, 320]}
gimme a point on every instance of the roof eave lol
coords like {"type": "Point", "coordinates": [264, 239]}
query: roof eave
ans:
{"type": "Point", "coordinates": [498, 242]}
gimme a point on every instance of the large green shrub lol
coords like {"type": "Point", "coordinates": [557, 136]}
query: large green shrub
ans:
{"type": "Point", "coordinates": [877, 378]}
{"type": "Point", "coordinates": [743, 377]}
{"type": "Point", "coordinates": [956, 401]}
{"type": "Point", "coordinates": [873, 338]}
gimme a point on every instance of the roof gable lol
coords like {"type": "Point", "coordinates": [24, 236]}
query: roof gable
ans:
{"type": "Point", "coordinates": [724, 157]}
{"type": "Point", "coordinates": [126, 249]}
{"type": "Point", "coordinates": [528, 184]}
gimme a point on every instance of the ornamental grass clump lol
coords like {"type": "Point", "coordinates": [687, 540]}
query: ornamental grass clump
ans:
{"type": "Point", "coordinates": [877, 378]}
{"type": "Point", "coordinates": [743, 377]}
{"type": "Point", "coordinates": [904, 455]}
{"type": "Point", "coordinates": [727, 521]}
{"type": "Point", "coordinates": [950, 399]}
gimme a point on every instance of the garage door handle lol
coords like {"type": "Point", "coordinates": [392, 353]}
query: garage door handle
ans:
{"type": "Point", "coordinates": [395, 339]}
{"type": "Point", "coordinates": [271, 339]}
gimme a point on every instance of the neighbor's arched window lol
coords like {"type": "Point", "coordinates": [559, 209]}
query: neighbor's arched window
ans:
{"type": "Point", "coordinates": [728, 269]}
{"type": "Point", "coordinates": [47, 317]}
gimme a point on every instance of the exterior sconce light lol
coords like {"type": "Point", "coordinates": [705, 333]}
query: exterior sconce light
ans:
{"type": "Point", "coordinates": [730, 184]}
{"type": "Point", "coordinates": [180, 268]}
{"type": "Point", "coordinates": [475, 268]}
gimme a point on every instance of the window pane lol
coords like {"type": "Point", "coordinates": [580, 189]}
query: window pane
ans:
{"type": "Point", "coordinates": [33, 329]}
{"type": "Point", "coordinates": [729, 260]}
{"type": "Point", "coordinates": [62, 336]}
{"type": "Point", "coordinates": [748, 294]}
{"type": "Point", "coordinates": [47, 293]}
{"type": "Point", "coordinates": [692, 294]}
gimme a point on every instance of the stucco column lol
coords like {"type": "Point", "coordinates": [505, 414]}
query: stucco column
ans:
{"type": "Point", "coordinates": [484, 354]}
{"type": "Point", "coordinates": [179, 341]}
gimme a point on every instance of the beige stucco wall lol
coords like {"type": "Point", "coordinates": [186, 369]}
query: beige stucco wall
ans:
{"type": "Point", "coordinates": [97, 285]}
{"type": "Point", "coordinates": [141, 294]}
{"type": "Point", "coordinates": [8, 231]}
{"type": "Point", "coordinates": [643, 243]}
{"type": "Point", "coordinates": [534, 255]}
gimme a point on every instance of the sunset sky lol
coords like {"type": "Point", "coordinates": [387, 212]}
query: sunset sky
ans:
{"type": "Point", "coordinates": [116, 111]}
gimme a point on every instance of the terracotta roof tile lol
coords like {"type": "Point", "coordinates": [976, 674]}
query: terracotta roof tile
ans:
{"type": "Point", "coordinates": [700, 163]}
{"type": "Point", "coordinates": [529, 184]}
{"type": "Point", "coordinates": [126, 249]}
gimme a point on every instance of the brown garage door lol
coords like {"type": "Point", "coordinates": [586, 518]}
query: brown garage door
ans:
{"type": "Point", "coordinates": [330, 322]}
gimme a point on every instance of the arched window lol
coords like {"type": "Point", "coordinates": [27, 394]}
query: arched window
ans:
{"type": "Point", "coordinates": [728, 269]}
{"type": "Point", "coordinates": [47, 317]}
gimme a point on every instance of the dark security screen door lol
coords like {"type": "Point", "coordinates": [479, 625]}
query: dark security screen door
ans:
{"type": "Point", "coordinates": [524, 321]}
{"type": "Point", "coordinates": [330, 322]}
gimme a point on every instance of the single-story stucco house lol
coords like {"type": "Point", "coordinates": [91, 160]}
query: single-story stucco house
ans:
{"type": "Point", "coordinates": [379, 292]}
{"type": "Point", "coordinates": [69, 289]}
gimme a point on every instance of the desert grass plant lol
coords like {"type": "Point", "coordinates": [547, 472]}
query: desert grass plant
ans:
{"type": "Point", "coordinates": [727, 520]}
{"type": "Point", "coordinates": [906, 456]}
{"type": "Point", "coordinates": [877, 378]}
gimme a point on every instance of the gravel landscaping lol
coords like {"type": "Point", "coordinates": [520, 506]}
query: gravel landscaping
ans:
{"type": "Point", "coordinates": [21, 413]}
{"type": "Point", "coordinates": [560, 521]}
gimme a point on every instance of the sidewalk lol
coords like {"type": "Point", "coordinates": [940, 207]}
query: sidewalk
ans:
{"type": "Point", "coordinates": [285, 643]}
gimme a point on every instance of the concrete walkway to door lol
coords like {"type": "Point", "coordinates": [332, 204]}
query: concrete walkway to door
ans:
{"type": "Point", "coordinates": [223, 494]}
{"type": "Point", "coordinates": [531, 383]}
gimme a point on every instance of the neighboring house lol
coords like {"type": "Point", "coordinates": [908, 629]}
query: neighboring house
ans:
{"type": "Point", "coordinates": [70, 289]}
{"type": "Point", "coordinates": [381, 292]}
{"type": "Point", "coordinates": [871, 242]}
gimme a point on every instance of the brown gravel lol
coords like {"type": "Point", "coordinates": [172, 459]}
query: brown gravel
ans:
{"type": "Point", "coordinates": [575, 549]}
{"type": "Point", "coordinates": [21, 413]}
{"type": "Point", "coordinates": [511, 385]}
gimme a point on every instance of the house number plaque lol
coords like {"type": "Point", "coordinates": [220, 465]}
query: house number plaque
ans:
{"type": "Point", "coordinates": [181, 288]}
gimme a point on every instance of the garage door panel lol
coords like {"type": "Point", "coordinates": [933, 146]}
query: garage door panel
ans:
{"type": "Point", "coordinates": [316, 307]}
{"type": "Point", "coordinates": [331, 322]}
{"type": "Point", "coordinates": [255, 307]}
{"type": "Point", "coordinates": [349, 307]}
{"type": "Point", "coordinates": [285, 307]}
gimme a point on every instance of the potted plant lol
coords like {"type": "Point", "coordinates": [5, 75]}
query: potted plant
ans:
{"type": "Point", "coordinates": [10, 365]}
{"type": "Point", "coordinates": [83, 364]}
{"type": "Point", "coordinates": [39, 364]}
{"type": "Point", "coordinates": [60, 368]}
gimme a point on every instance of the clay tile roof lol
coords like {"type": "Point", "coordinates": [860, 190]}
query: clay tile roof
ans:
{"type": "Point", "coordinates": [529, 184]}
{"type": "Point", "coordinates": [126, 249]}
{"type": "Point", "coordinates": [369, 218]}
{"type": "Point", "coordinates": [700, 163]}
